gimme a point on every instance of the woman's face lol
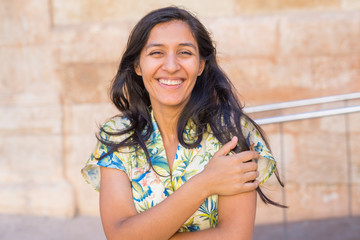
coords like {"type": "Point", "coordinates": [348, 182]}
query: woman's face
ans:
{"type": "Point", "coordinates": [169, 64]}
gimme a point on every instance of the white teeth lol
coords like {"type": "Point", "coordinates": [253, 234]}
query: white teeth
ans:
{"type": "Point", "coordinates": [170, 82]}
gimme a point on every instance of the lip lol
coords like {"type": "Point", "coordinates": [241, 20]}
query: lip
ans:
{"type": "Point", "coordinates": [170, 82]}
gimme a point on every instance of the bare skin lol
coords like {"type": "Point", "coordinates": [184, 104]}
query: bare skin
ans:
{"type": "Point", "coordinates": [169, 67]}
{"type": "Point", "coordinates": [237, 201]}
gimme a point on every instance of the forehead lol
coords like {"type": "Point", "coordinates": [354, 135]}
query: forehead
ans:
{"type": "Point", "coordinates": [172, 32]}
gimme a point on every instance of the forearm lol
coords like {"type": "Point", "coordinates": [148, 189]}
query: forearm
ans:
{"type": "Point", "coordinates": [224, 175]}
{"type": "Point", "coordinates": [236, 219]}
{"type": "Point", "coordinates": [164, 219]}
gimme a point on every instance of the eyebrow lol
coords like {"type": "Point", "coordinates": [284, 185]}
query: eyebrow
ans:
{"type": "Point", "coordinates": [186, 44]}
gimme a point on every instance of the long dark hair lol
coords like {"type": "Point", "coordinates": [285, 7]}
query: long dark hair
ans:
{"type": "Point", "coordinates": [213, 101]}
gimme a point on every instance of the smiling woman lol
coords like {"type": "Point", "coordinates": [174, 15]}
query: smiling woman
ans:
{"type": "Point", "coordinates": [169, 66]}
{"type": "Point", "coordinates": [181, 160]}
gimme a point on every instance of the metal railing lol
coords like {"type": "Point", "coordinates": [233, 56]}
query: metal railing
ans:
{"type": "Point", "coordinates": [305, 102]}
{"type": "Point", "coordinates": [281, 119]}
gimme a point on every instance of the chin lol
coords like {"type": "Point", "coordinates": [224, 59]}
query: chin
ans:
{"type": "Point", "coordinates": [173, 103]}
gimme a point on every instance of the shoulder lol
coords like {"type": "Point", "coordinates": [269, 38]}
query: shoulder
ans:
{"type": "Point", "coordinates": [256, 142]}
{"type": "Point", "coordinates": [252, 134]}
{"type": "Point", "coordinates": [249, 126]}
{"type": "Point", "coordinates": [116, 123]}
{"type": "Point", "coordinates": [246, 122]}
{"type": "Point", "coordinates": [115, 129]}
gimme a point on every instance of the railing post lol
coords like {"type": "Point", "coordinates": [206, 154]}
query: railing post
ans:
{"type": "Point", "coordinates": [283, 169]}
{"type": "Point", "coordinates": [348, 161]}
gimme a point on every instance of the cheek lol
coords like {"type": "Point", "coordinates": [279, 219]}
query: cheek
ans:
{"type": "Point", "coordinates": [147, 83]}
{"type": "Point", "coordinates": [149, 68]}
{"type": "Point", "coordinates": [193, 68]}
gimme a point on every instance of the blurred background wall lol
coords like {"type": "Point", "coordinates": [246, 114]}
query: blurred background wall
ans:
{"type": "Point", "coordinates": [59, 57]}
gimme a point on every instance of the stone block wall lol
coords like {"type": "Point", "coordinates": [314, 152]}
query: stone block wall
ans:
{"type": "Point", "coordinates": [59, 57]}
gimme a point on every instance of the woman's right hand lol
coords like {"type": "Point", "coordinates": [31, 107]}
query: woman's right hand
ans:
{"type": "Point", "coordinates": [231, 174]}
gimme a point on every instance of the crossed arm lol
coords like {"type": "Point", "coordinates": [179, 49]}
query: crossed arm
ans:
{"type": "Point", "coordinates": [236, 207]}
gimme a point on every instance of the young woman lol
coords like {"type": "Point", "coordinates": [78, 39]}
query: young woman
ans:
{"type": "Point", "coordinates": [181, 160]}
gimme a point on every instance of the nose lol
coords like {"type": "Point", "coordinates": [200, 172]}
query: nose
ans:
{"type": "Point", "coordinates": [171, 63]}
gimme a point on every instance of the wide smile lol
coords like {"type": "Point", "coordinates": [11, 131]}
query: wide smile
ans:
{"type": "Point", "coordinates": [170, 82]}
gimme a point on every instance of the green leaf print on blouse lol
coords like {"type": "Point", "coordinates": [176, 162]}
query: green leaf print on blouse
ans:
{"type": "Point", "coordinates": [209, 212]}
{"type": "Point", "coordinates": [184, 175]}
{"type": "Point", "coordinates": [190, 226]}
{"type": "Point", "coordinates": [150, 187]}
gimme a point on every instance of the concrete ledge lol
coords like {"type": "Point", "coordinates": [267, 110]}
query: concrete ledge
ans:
{"type": "Point", "coordinates": [30, 227]}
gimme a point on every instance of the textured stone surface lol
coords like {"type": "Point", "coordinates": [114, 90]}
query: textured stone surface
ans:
{"type": "Point", "coordinates": [350, 4]}
{"type": "Point", "coordinates": [333, 73]}
{"type": "Point", "coordinates": [355, 200]}
{"type": "Point", "coordinates": [31, 18]}
{"type": "Point", "coordinates": [46, 198]}
{"type": "Point", "coordinates": [59, 57]}
{"type": "Point", "coordinates": [354, 122]}
{"type": "Point", "coordinates": [28, 76]}
{"type": "Point", "coordinates": [354, 152]}
{"type": "Point", "coordinates": [266, 80]}
{"type": "Point", "coordinates": [315, 201]}
{"type": "Point", "coordinates": [251, 37]}
{"type": "Point", "coordinates": [78, 148]}
{"type": "Point", "coordinates": [86, 118]}
{"type": "Point", "coordinates": [91, 43]}
{"type": "Point", "coordinates": [269, 213]}
{"type": "Point", "coordinates": [314, 159]}
{"type": "Point", "coordinates": [55, 199]}
{"type": "Point", "coordinates": [83, 11]}
{"type": "Point", "coordinates": [86, 83]}
{"type": "Point", "coordinates": [317, 35]}
{"type": "Point", "coordinates": [259, 6]}
{"type": "Point", "coordinates": [22, 120]}
{"type": "Point", "coordinates": [354, 139]}
{"type": "Point", "coordinates": [31, 158]}
{"type": "Point", "coordinates": [32, 177]}
{"type": "Point", "coordinates": [272, 189]}
{"type": "Point", "coordinates": [81, 124]}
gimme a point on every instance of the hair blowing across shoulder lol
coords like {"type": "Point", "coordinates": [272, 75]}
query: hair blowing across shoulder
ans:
{"type": "Point", "coordinates": [213, 101]}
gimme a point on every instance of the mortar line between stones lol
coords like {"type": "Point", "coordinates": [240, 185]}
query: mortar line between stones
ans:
{"type": "Point", "coordinates": [51, 14]}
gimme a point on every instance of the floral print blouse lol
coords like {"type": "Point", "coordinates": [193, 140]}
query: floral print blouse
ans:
{"type": "Point", "coordinates": [150, 187]}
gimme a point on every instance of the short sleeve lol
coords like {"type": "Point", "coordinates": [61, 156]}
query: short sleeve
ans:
{"type": "Point", "coordinates": [117, 159]}
{"type": "Point", "coordinates": [266, 162]}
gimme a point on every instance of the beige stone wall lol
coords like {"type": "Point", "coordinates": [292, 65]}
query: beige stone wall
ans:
{"type": "Point", "coordinates": [58, 58]}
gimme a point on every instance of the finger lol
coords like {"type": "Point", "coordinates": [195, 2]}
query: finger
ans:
{"type": "Point", "coordinates": [246, 156]}
{"type": "Point", "coordinates": [250, 176]}
{"type": "Point", "coordinates": [250, 186]}
{"type": "Point", "coordinates": [249, 166]}
{"type": "Point", "coordinates": [224, 150]}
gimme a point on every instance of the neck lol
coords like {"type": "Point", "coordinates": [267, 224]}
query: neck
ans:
{"type": "Point", "coordinates": [167, 119]}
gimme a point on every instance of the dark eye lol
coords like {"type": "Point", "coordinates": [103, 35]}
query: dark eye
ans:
{"type": "Point", "coordinates": [155, 53]}
{"type": "Point", "coordinates": [186, 52]}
